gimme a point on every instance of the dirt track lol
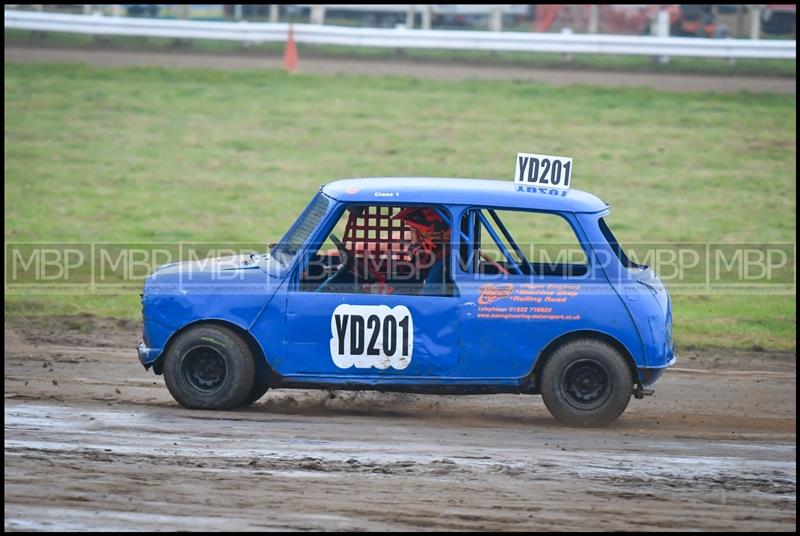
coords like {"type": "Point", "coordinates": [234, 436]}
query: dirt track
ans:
{"type": "Point", "coordinates": [453, 70]}
{"type": "Point", "coordinates": [92, 441]}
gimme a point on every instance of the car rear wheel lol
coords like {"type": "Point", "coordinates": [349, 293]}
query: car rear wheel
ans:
{"type": "Point", "coordinates": [586, 382]}
{"type": "Point", "coordinates": [209, 367]}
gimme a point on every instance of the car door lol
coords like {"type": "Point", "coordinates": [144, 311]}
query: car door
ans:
{"type": "Point", "coordinates": [340, 334]}
{"type": "Point", "coordinates": [508, 319]}
{"type": "Point", "coordinates": [370, 337]}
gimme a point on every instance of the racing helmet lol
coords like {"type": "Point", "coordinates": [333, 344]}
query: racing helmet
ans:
{"type": "Point", "coordinates": [432, 231]}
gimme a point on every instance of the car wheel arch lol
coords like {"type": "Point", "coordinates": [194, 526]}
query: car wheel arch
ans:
{"type": "Point", "coordinates": [566, 338]}
{"type": "Point", "coordinates": [262, 366]}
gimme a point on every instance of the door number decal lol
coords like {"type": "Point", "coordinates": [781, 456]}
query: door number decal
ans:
{"type": "Point", "coordinates": [367, 336]}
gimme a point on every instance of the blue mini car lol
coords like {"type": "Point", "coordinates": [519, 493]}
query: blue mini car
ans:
{"type": "Point", "coordinates": [443, 286]}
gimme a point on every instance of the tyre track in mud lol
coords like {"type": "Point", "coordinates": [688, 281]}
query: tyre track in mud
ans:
{"type": "Point", "coordinates": [94, 442]}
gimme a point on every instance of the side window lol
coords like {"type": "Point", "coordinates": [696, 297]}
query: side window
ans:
{"type": "Point", "coordinates": [379, 249]}
{"type": "Point", "coordinates": [513, 242]}
{"type": "Point", "coordinates": [617, 248]}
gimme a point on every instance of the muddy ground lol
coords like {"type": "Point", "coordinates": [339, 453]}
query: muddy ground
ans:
{"type": "Point", "coordinates": [93, 441]}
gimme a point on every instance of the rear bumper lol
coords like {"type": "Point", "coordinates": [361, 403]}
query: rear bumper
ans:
{"type": "Point", "coordinates": [649, 376]}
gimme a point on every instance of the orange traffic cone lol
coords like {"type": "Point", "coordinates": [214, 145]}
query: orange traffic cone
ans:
{"type": "Point", "coordinates": [290, 54]}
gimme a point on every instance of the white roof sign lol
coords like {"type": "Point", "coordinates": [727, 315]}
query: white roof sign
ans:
{"type": "Point", "coordinates": [543, 170]}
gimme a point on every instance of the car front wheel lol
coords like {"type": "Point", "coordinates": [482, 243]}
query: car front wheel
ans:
{"type": "Point", "coordinates": [209, 367]}
{"type": "Point", "coordinates": [586, 382]}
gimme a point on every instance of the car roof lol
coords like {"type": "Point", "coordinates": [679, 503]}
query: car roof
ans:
{"type": "Point", "coordinates": [455, 191]}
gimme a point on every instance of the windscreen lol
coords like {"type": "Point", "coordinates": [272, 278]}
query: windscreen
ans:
{"type": "Point", "coordinates": [293, 241]}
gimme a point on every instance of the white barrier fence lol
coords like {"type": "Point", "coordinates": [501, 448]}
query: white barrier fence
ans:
{"type": "Point", "coordinates": [405, 38]}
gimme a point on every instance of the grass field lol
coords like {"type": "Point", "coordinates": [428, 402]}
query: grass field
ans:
{"type": "Point", "coordinates": [155, 155]}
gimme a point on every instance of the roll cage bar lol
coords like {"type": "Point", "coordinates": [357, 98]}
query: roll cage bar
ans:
{"type": "Point", "coordinates": [469, 237]}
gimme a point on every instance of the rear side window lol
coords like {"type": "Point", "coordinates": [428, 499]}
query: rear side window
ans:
{"type": "Point", "coordinates": [617, 248]}
{"type": "Point", "coordinates": [520, 243]}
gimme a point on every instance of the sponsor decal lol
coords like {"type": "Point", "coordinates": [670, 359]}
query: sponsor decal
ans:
{"type": "Point", "coordinates": [528, 301]}
{"type": "Point", "coordinates": [491, 293]}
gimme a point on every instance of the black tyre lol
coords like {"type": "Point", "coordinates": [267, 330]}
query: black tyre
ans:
{"type": "Point", "coordinates": [209, 367]}
{"type": "Point", "coordinates": [586, 382]}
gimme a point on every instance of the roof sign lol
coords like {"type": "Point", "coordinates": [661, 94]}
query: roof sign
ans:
{"type": "Point", "coordinates": [543, 171]}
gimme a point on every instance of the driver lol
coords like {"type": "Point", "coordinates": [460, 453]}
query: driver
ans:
{"type": "Point", "coordinates": [429, 244]}
{"type": "Point", "coordinates": [430, 235]}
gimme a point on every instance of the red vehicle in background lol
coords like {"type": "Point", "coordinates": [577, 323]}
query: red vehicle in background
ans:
{"type": "Point", "coordinates": [685, 20]}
